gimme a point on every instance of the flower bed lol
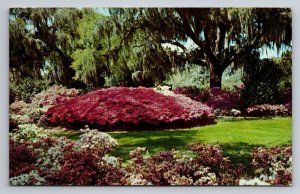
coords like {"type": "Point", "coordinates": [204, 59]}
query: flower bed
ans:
{"type": "Point", "coordinates": [120, 108]}
{"type": "Point", "coordinates": [267, 110]}
{"type": "Point", "coordinates": [61, 161]}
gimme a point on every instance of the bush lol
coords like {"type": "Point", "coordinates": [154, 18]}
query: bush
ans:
{"type": "Point", "coordinates": [128, 108]}
{"type": "Point", "coordinates": [176, 168]}
{"type": "Point", "coordinates": [21, 159]}
{"type": "Point", "coordinates": [286, 99]}
{"type": "Point", "coordinates": [84, 167]}
{"type": "Point", "coordinates": [267, 110]}
{"type": "Point", "coordinates": [26, 89]}
{"type": "Point", "coordinates": [190, 92]}
{"type": "Point", "coordinates": [93, 139]}
{"type": "Point", "coordinates": [32, 178]}
{"type": "Point", "coordinates": [261, 79]}
{"type": "Point", "coordinates": [273, 165]}
{"type": "Point", "coordinates": [29, 113]}
{"type": "Point", "coordinates": [28, 133]}
{"type": "Point", "coordinates": [223, 102]}
{"type": "Point", "coordinates": [61, 161]}
{"type": "Point", "coordinates": [217, 98]}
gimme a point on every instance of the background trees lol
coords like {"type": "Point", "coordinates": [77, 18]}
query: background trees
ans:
{"type": "Point", "coordinates": [41, 43]}
{"type": "Point", "coordinates": [88, 48]}
{"type": "Point", "coordinates": [222, 35]}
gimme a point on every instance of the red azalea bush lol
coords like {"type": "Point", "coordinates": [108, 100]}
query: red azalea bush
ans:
{"type": "Point", "coordinates": [86, 167]}
{"type": "Point", "coordinates": [273, 165]}
{"type": "Point", "coordinates": [267, 110]}
{"type": "Point", "coordinates": [217, 98]}
{"type": "Point", "coordinates": [127, 108]}
{"type": "Point", "coordinates": [220, 100]}
{"type": "Point", "coordinates": [21, 159]}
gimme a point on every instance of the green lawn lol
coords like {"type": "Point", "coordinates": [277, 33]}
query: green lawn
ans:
{"type": "Point", "coordinates": [237, 136]}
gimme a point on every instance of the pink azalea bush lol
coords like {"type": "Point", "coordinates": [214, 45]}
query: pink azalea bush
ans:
{"type": "Point", "coordinates": [209, 167]}
{"type": "Point", "coordinates": [31, 112]}
{"type": "Point", "coordinates": [273, 165]}
{"type": "Point", "coordinates": [267, 110]}
{"type": "Point", "coordinates": [223, 102]}
{"type": "Point", "coordinates": [127, 108]}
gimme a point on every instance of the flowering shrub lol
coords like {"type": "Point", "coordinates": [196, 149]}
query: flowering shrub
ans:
{"type": "Point", "coordinates": [223, 102]}
{"type": "Point", "coordinates": [190, 92]}
{"type": "Point", "coordinates": [94, 139]}
{"type": "Point", "coordinates": [31, 112]}
{"type": "Point", "coordinates": [28, 132]}
{"type": "Point", "coordinates": [54, 95]}
{"type": "Point", "coordinates": [254, 181]}
{"type": "Point", "coordinates": [127, 108]}
{"type": "Point", "coordinates": [273, 165]}
{"type": "Point", "coordinates": [84, 167]}
{"type": "Point", "coordinates": [61, 161]}
{"type": "Point", "coordinates": [21, 159]}
{"type": "Point", "coordinates": [32, 178]}
{"type": "Point", "coordinates": [175, 168]}
{"type": "Point", "coordinates": [50, 151]}
{"type": "Point", "coordinates": [267, 110]}
{"type": "Point", "coordinates": [220, 99]}
{"type": "Point", "coordinates": [286, 99]}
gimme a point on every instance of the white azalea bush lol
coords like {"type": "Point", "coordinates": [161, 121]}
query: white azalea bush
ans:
{"type": "Point", "coordinates": [28, 133]}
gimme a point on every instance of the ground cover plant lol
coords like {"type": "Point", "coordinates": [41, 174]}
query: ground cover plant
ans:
{"type": "Point", "coordinates": [129, 108]}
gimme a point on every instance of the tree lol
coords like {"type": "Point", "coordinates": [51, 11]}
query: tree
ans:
{"type": "Point", "coordinates": [48, 37]}
{"type": "Point", "coordinates": [222, 35]}
{"type": "Point", "coordinates": [90, 58]}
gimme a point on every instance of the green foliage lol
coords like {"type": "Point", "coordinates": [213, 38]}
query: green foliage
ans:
{"type": "Point", "coordinates": [261, 80]}
{"type": "Point", "coordinates": [232, 78]}
{"type": "Point", "coordinates": [189, 76]}
{"type": "Point", "coordinates": [90, 68]}
{"type": "Point", "coordinates": [27, 88]}
{"type": "Point", "coordinates": [90, 60]}
{"type": "Point", "coordinates": [285, 64]}
{"type": "Point", "coordinates": [222, 35]}
{"type": "Point", "coordinates": [41, 42]}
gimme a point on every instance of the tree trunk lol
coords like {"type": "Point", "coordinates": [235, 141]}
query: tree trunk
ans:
{"type": "Point", "coordinates": [215, 75]}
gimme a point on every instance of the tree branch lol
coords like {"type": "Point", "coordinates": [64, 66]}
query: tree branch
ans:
{"type": "Point", "coordinates": [221, 39]}
{"type": "Point", "coordinates": [246, 49]}
{"type": "Point", "coordinates": [175, 43]}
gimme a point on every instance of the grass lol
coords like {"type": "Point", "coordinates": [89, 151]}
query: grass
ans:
{"type": "Point", "coordinates": [237, 136]}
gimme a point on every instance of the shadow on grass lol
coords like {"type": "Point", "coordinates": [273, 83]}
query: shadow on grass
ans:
{"type": "Point", "coordinates": [153, 145]}
{"type": "Point", "coordinates": [237, 152]}
{"type": "Point", "coordinates": [73, 135]}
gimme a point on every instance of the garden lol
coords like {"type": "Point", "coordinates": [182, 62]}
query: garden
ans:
{"type": "Point", "coordinates": [105, 97]}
